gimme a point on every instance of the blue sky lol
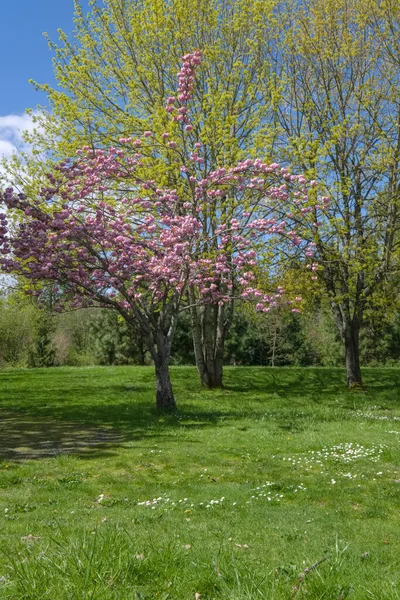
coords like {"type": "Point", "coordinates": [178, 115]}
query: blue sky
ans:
{"type": "Point", "coordinates": [24, 50]}
{"type": "Point", "coordinates": [24, 55]}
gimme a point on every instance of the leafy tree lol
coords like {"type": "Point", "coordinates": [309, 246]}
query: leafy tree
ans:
{"type": "Point", "coordinates": [315, 80]}
{"type": "Point", "coordinates": [278, 338]}
{"type": "Point", "coordinates": [322, 335]}
{"type": "Point", "coordinates": [113, 77]}
{"type": "Point", "coordinates": [72, 337]}
{"type": "Point", "coordinates": [116, 342]}
{"type": "Point", "coordinates": [42, 352]}
{"type": "Point", "coordinates": [18, 326]}
{"type": "Point", "coordinates": [182, 346]}
{"type": "Point", "coordinates": [107, 235]}
{"type": "Point", "coordinates": [338, 117]}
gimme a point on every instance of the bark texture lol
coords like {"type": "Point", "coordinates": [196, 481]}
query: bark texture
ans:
{"type": "Point", "coordinates": [210, 326]}
{"type": "Point", "coordinates": [349, 327]}
{"type": "Point", "coordinates": [351, 338]}
{"type": "Point", "coordinates": [159, 341]}
{"type": "Point", "coordinates": [165, 400]}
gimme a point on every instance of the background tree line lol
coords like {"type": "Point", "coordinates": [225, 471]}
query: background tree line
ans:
{"type": "Point", "coordinates": [31, 337]}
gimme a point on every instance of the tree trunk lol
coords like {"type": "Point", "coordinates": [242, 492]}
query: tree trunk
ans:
{"type": "Point", "coordinates": [165, 400]}
{"type": "Point", "coordinates": [349, 328]}
{"type": "Point", "coordinates": [352, 355]}
{"type": "Point", "coordinates": [209, 329]}
{"type": "Point", "coordinates": [142, 352]}
{"type": "Point", "coordinates": [159, 346]}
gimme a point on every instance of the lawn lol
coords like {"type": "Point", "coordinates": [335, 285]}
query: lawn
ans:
{"type": "Point", "coordinates": [238, 496]}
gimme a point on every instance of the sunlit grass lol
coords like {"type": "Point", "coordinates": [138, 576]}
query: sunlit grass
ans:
{"type": "Point", "coordinates": [233, 497]}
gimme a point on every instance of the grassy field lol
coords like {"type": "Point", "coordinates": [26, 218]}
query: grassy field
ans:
{"type": "Point", "coordinates": [237, 497]}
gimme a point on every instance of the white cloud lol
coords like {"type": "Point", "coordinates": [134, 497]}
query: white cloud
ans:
{"type": "Point", "coordinates": [6, 148]}
{"type": "Point", "coordinates": [11, 133]}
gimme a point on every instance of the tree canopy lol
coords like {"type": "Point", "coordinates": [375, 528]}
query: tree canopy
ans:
{"type": "Point", "coordinates": [311, 83]}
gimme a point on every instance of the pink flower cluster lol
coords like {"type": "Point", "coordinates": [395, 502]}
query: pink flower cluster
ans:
{"type": "Point", "coordinates": [186, 78]}
{"type": "Point", "coordinates": [108, 236]}
{"type": "Point", "coordinates": [139, 247]}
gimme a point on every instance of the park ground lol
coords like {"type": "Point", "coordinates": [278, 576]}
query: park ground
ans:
{"type": "Point", "coordinates": [283, 485]}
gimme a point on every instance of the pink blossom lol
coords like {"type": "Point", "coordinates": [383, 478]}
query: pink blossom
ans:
{"type": "Point", "coordinates": [107, 237]}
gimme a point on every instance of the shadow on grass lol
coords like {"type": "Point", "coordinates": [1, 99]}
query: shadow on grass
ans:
{"type": "Point", "coordinates": [22, 437]}
{"type": "Point", "coordinates": [299, 381]}
{"type": "Point", "coordinates": [283, 381]}
{"type": "Point", "coordinates": [92, 432]}
{"type": "Point", "coordinates": [93, 412]}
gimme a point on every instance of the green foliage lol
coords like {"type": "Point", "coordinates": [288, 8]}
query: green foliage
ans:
{"type": "Point", "coordinates": [338, 120]}
{"type": "Point", "coordinates": [296, 347]}
{"type": "Point", "coordinates": [380, 342]}
{"type": "Point", "coordinates": [73, 338]}
{"type": "Point", "coordinates": [80, 449]}
{"type": "Point", "coordinates": [115, 342]}
{"type": "Point", "coordinates": [323, 337]}
{"type": "Point", "coordinates": [29, 337]}
{"type": "Point", "coordinates": [42, 353]}
{"type": "Point", "coordinates": [18, 323]}
{"type": "Point", "coordinates": [182, 345]}
{"type": "Point", "coordinates": [282, 339]}
{"type": "Point", "coordinates": [116, 70]}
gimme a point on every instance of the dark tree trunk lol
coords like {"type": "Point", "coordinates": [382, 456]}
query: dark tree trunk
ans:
{"type": "Point", "coordinates": [349, 327]}
{"type": "Point", "coordinates": [159, 345]}
{"type": "Point", "coordinates": [210, 326]}
{"type": "Point", "coordinates": [142, 352]}
{"type": "Point", "coordinates": [165, 400]}
{"type": "Point", "coordinates": [156, 329]}
{"type": "Point", "coordinates": [352, 355]}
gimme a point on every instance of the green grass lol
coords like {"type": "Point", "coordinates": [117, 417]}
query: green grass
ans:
{"type": "Point", "coordinates": [255, 483]}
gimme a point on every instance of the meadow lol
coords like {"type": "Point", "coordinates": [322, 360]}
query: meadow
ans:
{"type": "Point", "coordinates": [282, 485]}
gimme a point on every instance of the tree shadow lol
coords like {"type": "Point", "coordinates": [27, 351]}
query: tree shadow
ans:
{"type": "Point", "coordinates": [94, 413]}
{"type": "Point", "coordinates": [44, 413]}
{"type": "Point", "coordinates": [316, 382]}
{"type": "Point", "coordinates": [23, 437]}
